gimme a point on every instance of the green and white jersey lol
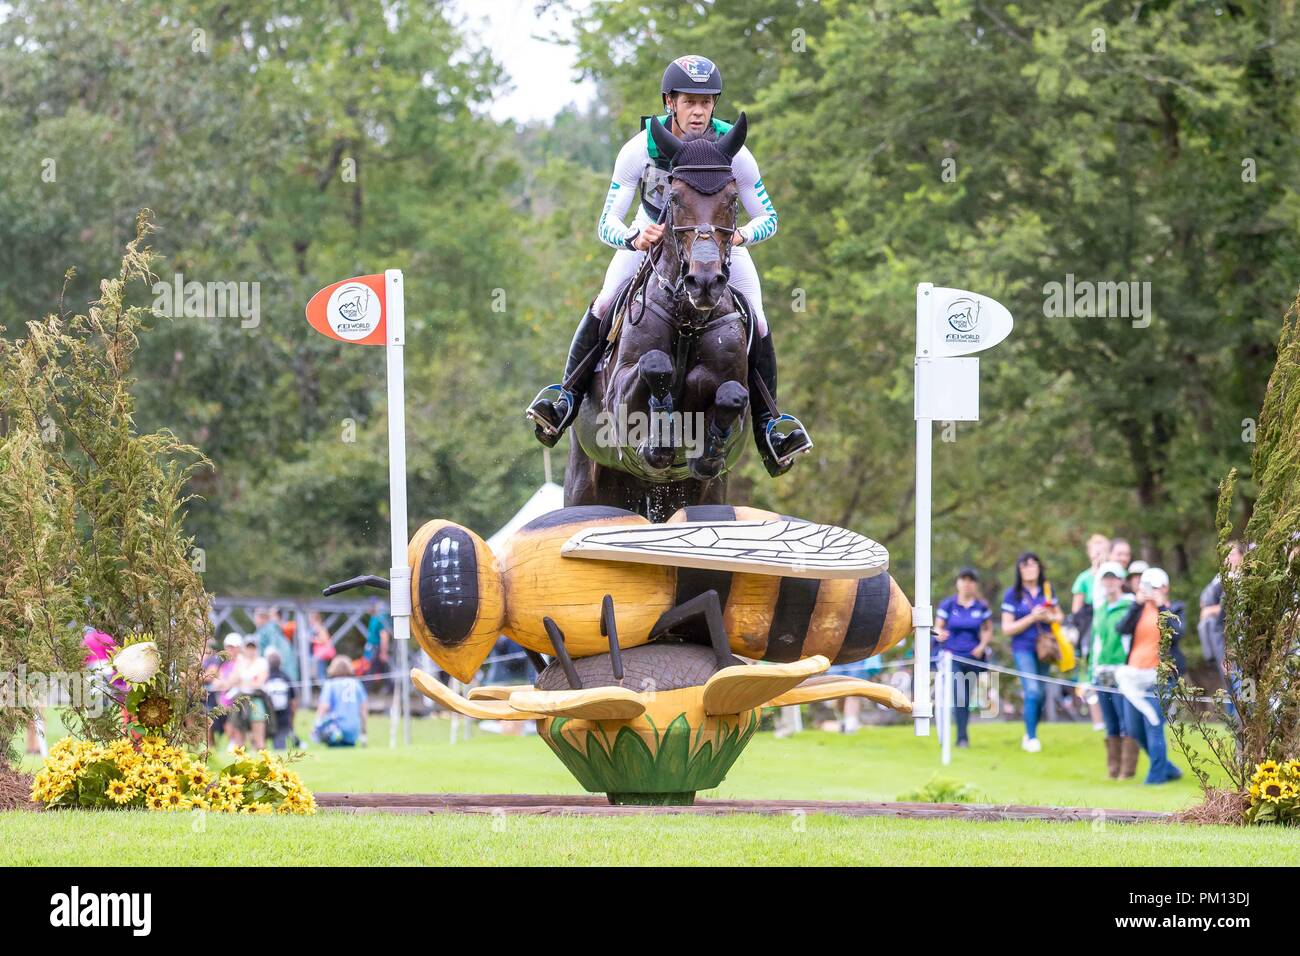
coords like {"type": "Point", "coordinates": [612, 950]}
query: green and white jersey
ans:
{"type": "Point", "coordinates": [638, 160]}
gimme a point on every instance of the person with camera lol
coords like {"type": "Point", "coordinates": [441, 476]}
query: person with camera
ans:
{"type": "Point", "coordinates": [1137, 677]}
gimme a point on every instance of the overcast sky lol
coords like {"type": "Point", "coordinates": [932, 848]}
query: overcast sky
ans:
{"type": "Point", "coordinates": [542, 73]}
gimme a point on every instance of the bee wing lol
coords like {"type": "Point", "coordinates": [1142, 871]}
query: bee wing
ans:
{"type": "Point", "coordinates": [835, 686]}
{"type": "Point", "coordinates": [597, 703]}
{"type": "Point", "coordinates": [786, 547]}
{"type": "Point", "coordinates": [746, 686]}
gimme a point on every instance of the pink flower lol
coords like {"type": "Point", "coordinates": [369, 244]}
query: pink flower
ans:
{"type": "Point", "coordinates": [100, 648]}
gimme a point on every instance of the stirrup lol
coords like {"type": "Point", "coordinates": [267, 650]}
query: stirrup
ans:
{"type": "Point", "coordinates": [542, 413]}
{"type": "Point", "coordinates": [787, 433]}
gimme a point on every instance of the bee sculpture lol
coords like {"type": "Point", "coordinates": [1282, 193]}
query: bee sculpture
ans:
{"type": "Point", "coordinates": [646, 698]}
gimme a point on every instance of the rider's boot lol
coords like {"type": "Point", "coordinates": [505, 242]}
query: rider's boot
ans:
{"type": "Point", "coordinates": [780, 438]}
{"type": "Point", "coordinates": [556, 406]}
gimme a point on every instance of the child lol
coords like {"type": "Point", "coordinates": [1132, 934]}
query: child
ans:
{"type": "Point", "coordinates": [341, 717]}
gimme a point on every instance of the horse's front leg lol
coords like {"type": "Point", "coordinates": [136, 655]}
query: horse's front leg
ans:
{"type": "Point", "coordinates": [720, 423]}
{"type": "Point", "coordinates": [654, 375]}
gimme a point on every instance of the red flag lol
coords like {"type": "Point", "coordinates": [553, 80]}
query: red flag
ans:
{"type": "Point", "coordinates": [352, 310]}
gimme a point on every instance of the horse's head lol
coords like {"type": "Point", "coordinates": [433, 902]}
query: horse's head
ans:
{"type": "Point", "coordinates": [701, 215]}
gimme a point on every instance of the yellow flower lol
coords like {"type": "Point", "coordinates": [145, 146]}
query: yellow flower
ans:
{"type": "Point", "coordinates": [1273, 790]}
{"type": "Point", "coordinates": [175, 800]}
{"type": "Point", "coordinates": [156, 803]}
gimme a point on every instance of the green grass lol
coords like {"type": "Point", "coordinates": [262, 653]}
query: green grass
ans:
{"type": "Point", "coordinates": [137, 838]}
{"type": "Point", "coordinates": [878, 763]}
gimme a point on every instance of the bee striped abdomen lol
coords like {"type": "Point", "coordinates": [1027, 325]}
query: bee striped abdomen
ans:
{"type": "Point", "coordinates": [795, 602]}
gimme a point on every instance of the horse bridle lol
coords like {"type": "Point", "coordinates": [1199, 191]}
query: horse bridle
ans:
{"type": "Point", "coordinates": [721, 235]}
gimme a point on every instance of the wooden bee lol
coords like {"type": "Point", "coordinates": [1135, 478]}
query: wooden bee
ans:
{"type": "Point", "coordinates": [584, 581]}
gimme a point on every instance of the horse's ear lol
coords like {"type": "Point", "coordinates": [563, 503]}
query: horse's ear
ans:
{"type": "Point", "coordinates": [734, 138]}
{"type": "Point", "coordinates": [665, 141]}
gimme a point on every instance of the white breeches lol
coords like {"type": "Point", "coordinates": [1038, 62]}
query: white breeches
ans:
{"type": "Point", "coordinates": [743, 276]}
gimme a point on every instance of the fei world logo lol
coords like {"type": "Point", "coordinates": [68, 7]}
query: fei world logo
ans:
{"type": "Point", "coordinates": [963, 314]}
{"type": "Point", "coordinates": [354, 311]}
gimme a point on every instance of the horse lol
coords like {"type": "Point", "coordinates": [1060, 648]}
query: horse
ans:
{"type": "Point", "coordinates": [664, 418]}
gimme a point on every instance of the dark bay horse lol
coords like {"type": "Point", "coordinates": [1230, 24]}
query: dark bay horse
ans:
{"type": "Point", "coordinates": [666, 413]}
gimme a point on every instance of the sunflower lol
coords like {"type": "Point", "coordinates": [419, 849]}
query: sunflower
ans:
{"type": "Point", "coordinates": [1267, 767]}
{"type": "Point", "coordinates": [197, 777]}
{"type": "Point", "coordinates": [156, 803]}
{"type": "Point", "coordinates": [1273, 790]}
{"type": "Point", "coordinates": [175, 801]}
{"type": "Point", "coordinates": [154, 711]}
{"type": "Point", "coordinates": [163, 777]}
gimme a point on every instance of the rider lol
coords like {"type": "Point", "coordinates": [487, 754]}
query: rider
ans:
{"type": "Point", "coordinates": [689, 91]}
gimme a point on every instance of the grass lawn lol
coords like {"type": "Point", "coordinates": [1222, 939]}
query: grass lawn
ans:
{"type": "Point", "coordinates": [137, 838]}
{"type": "Point", "coordinates": [878, 763]}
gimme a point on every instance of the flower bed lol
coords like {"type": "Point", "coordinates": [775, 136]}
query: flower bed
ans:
{"type": "Point", "coordinates": [152, 775]}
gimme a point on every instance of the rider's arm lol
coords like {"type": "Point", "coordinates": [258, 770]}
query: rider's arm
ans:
{"type": "Point", "coordinates": [611, 229]}
{"type": "Point", "coordinates": [753, 195]}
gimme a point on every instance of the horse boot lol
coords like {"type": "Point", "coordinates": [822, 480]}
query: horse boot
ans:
{"type": "Point", "coordinates": [780, 438]}
{"type": "Point", "coordinates": [556, 406]}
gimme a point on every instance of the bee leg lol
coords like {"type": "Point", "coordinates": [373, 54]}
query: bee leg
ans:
{"type": "Point", "coordinates": [557, 641]}
{"type": "Point", "coordinates": [610, 630]}
{"type": "Point", "coordinates": [706, 606]}
{"type": "Point", "coordinates": [537, 660]}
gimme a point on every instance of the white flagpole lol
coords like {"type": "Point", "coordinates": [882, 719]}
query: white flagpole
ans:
{"type": "Point", "coordinates": [399, 575]}
{"type": "Point", "coordinates": [946, 388]}
{"type": "Point", "coordinates": [922, 612]}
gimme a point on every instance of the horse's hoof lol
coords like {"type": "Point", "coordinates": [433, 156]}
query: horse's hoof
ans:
{"type": "Point", "coordinates": [657, 457]}
{"type": "Point", "coordinates": [706, 469]}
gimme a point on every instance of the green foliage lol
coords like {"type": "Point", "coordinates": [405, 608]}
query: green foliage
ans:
{"type": "Point", "coordinates": [93, 510]}
{"type": "Point", "coordinates": [1261, 602]}
{"type": "Point", "coordinates": [942, 790]}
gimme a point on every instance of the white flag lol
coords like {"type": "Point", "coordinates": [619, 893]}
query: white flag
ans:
{"type": "Point", "coordinates": [957, 322]}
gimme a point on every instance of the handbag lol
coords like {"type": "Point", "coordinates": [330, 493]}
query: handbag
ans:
{"type": "Point", "coordinates": [1047, 647]}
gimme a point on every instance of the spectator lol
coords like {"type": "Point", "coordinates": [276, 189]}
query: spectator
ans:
{"type": "Point", "coordinates": [1137, 679]}
{"type": "Point", "coordinates": [1121, 552]}
{"type": "Point", "coordinates": [1086, 599]}
{"type": "Point", "coordinates": [322, 644]}
{"type": "Point", "coordinates": [212, 661]}
{"type": "Point", "coordinates": [1026, 616]}
{"type": "Point", "coordinates": [250, 712]}
{"type": "Point", "coordinates": [963, 625]}
{"type": "Point", "coordinates": [271, 635]}
{"type": "Point", "coordinates": [1134, 576]}
{"type": "Point", "coordinates": [283, 698]}
{"type": "Point", "coordinates": [341, 717]}
{"type": "Point", "coordinates": [1108, 653]}
{"type": "Point", "coordinates": [224, 686]}
{"type": "Point", "coordinates": [378, 634]}
{"type": "Point", "coordinates": [1210, 627]}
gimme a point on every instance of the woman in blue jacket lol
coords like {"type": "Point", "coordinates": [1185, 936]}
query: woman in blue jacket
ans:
{"type": "Point", "coordinates": [963, 625]}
